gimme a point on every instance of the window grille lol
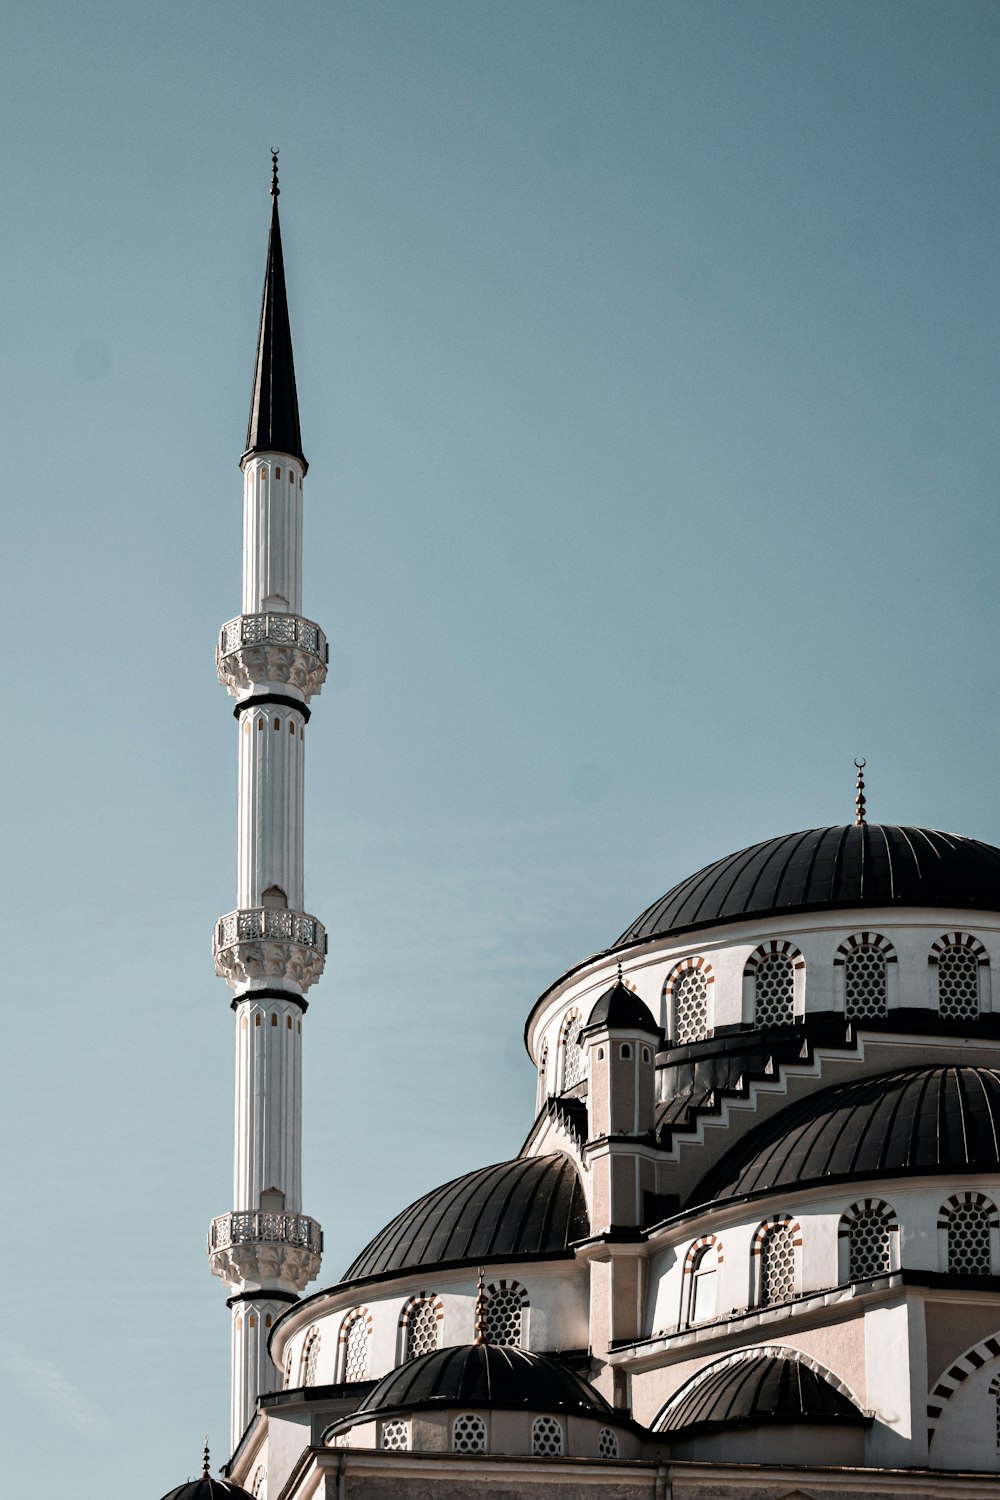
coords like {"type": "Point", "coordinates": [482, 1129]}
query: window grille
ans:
{"type": "Point", "coordinates": [288, 1368]}
{"type": "Point", "coordinates": [502, 1316]}
{"type": "Point", "coordinates": [864, 983]}
{"type": "Point", "coordinates": [868, 1245]}
{"type": "Point", "coordinates": [958, 984]}
{"type": "Point", "coordinates": [546, 1437]}
{"type": "Point", "coordinates": [774, 991]}
{"type": "Point", "coordinates": [777, 1265]}
{"type": "Point", "coordinates": [310, 1357]}
{"type": "Point", "coordinates": [969, 1240]}
{"type": "Point", "coordinates": [259, 1487]}
{"type": "Point", "coordinates": [690, 1007]}
{"type": "Point", "coordinates": [704, 1270]}
{"type": "Point", "coordinates": [468, 1434]}
{"type": "Point", "coordinates": [421, 1329]}
{"type": "Point", "coordinates": [574, 1070]}
{"type": "Point", "coordinates": [607, 1444]}
{"type": "Point", "coordinates": [998, 1418]}
{"type": "Point", "coordinates": [396, 1435]}
{"type": "Point", "coordinates": [543, 1069]}
{"type": "Point", "coordinates": [356, 1350]}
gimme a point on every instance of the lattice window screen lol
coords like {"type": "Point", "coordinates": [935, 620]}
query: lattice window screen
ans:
{"type": "Point", "coordinates": [421, 1329]}
{"type": "Point", "coordinates": [958, 984]}
{"type": "Point", "coordinates": [777, 1265]}
{"type": "Point", "coordinates": [774, 991]}
{"type": "Point", "coordinates": [969, 1240]}
{"type": "Point", "coordinates": [546, 1437]}
{"type": "Point", "coordinates": [690, 1007]}
{"type": "Point", "coordinates": [864, 983]}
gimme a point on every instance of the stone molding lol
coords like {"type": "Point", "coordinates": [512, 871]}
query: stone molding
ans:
{"type": "Point", "coordinates": [259, 943]}
{"type": "Point", "coordinates": [256, 1247]}
{"type": "Point", "coordinates": [271, 648]}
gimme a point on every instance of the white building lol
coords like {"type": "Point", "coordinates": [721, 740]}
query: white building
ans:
{"type": "Point", "coordinates": [751, 1243]}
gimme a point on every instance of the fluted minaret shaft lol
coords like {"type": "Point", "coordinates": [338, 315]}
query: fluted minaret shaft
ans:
{"type": "Point", "coordinates": [269, 950]}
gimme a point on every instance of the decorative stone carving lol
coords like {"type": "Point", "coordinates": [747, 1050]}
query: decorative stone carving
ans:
{"type": "Point", "coordinates": [254, 1248]}
{"type": "Point", "coordinates": [263, 944]}
{"type": "Point", "coordinates": [271, 648]}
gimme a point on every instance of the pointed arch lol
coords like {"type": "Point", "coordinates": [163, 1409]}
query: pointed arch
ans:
{"type": "Point", "coordinates": [355, 1332]}
{"type": "Point", "coordinates": [686, 1000]}
{"type": "Point", "coordinates": [774, 1261]}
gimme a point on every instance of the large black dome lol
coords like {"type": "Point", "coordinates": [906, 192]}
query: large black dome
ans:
{"type": "Point", "coordinates": [916, 1120]}
{"type": "Point", "coordinates": [531, 1206]}
{"type": "Point", "coordinates": [874, 865]}
{"type": "Point", "coordinates": [763, 1388]}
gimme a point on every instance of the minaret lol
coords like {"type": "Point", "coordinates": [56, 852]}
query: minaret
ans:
{"type": "Point", "coordinates": [269, 950]}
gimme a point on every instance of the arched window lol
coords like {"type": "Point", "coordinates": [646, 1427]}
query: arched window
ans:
{"type": "Point", "coordinates": [704, 1280]}
{"type": "Point", "coordinates": [958, 978]}
{"type": "Point", "coordinates": [775, 1247]}
{"type": "Point", "coordinates": [774, 990]}
{"type": "Point", "coordinates": [468, 1433]}
{"type": "Point", "coordinates": [258, 1488]}
{"type": "Point", "coordinates": [546, 1437]}
{"type": "Point", "coordinates": [995, 1393]}
{"type": "Point", "coordinates": [869, 1228]}
{"type": "Point", "coordinates": [503, 1307]}
{"type": "Point", "coordinates": [690, 1008]}
{"type": "Point", "coordinates": [420, 1320]}
{"type": "Point", "coordinates": [865, 983]}
{"type": "Point", "coordinates": [574, 1070]}
{"type": "Point", "coordinates": [396, 1435]}
{"type": "Point", "coordinates": [288, 1367]}
{"type": "Point", "coordinates": [354, 1339]}
{"type": "Point", "coordinates": [607, 1443]}
{"type": "Point", "coordinates": [543, 1074]}
{"type": "Point", "coordinates": [310, 1356]}
{"type": "Point", "coordinates": [969, 1221]}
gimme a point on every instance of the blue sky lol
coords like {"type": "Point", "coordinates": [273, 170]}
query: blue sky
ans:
{"type": "Point", "coordinates": [647, 360]}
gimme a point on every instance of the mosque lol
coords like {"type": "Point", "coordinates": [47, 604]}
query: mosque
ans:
{"type": "Point", "coordinates": [750, 1246]}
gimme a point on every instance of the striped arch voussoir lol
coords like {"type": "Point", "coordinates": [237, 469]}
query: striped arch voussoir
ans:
{"type": "Point", "coordinates": [776, 945]}
{"type": "Point", "coordinates": [864, 940]}
{"type": "Point", "coordinates": [703, 1243]}
{"type": "Point", "coordinates": [967, 1364]}
{"type": "Point", "coordinates": [683, 967]}
{"type": "Point", "coordinates": [867, 1206]}
{"type": "Point", "coordinates": [417, 1301]}
{"type": "Point", "coordinates": [356, 1315]}
{"type": "Point", "coordinates": [779, 1221]}
{"type": "Point", "coordinates": [568, 1019]}
{"type": "Point", "coordinates": [967, 1200]}
{"type": "Point", "coordinates": [496, 1287]}
{"type": "Point", "coordinates": [958, 940]}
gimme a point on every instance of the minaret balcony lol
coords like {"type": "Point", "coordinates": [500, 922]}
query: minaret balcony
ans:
{"type": "Point", "coordinates": [256, 1249]}
{"type": "Point", "coordinates": [272, 648]}
{"type": "Point", "coordinates": [259, 943]}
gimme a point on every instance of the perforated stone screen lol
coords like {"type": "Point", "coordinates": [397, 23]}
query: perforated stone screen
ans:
{"type": "Point", "coordinates": [958, 984]}
{"type": "Point", "coordinates": [969, 1240]}
{"type": "Point", "coordinates": [396, 1435]}
{"type": "Point", "coordinates": [421, 1330]}
{"type": "Point", "coordinates": [356, 1351]}
{"type": "Point", "coordinates": [774, 991]}
{"type": "Point", "coordinates": [869, 1246]}
{"type": "Point", "coordinates": [864, 983]}
{"type": "Point", "coordinates": [468, 1434]}
{"type": "Point", "coordinates": [502, 1317]}
{"type": "Point", "coordinates": [310, 1358]}
{"type": "Point", "coordinates": [690, 1007]}
{"type": "Point", "coordinates": [777, 1265]}
{"type": "Point", "coordinates": [607, 1444]}
{"type": "Point", "coordinates": [573, 1065]}
{"type": "Point", "coordinates": [546, 1437]}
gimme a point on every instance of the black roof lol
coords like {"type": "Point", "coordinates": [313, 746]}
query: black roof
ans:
{"type": "Point", "coordinates": [531, 1206]}
{"type": "Point", "coordinates": [274, 407]}
{"type": "Point", "coordinates": [620, 1006]}
{"type": "Point", "coordinates": [762, 1388]}
{"type": "Point", "coordinates": [874, 865]}
{"type": "Point", "coordinates": [478, 1375]}
{"type": "Point", "coordinates": [207, 1488]}
{"type": "Point", "coordinates": [916, 1120]}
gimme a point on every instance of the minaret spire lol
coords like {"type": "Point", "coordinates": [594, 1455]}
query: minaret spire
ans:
{"type": "Point", "coordinates": [269, 950]}
{"type": "Point", "coordinates": [274, 409]}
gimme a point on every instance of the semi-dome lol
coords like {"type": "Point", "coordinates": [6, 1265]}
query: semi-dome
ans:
{"type": "Point", "coordinates": [762, 1388]}
{"type": "Point", "coordinates": [528, 1207]}
{"type": "Point", "coordinates": [914, 1121]}
{"type": "Point", "coordinates": [871, 865]}
{"type": "Point", "coordinates": [482, 1375]}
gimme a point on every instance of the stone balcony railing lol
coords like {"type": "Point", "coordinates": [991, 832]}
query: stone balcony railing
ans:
{"type": "Point", "coordinates": [258, 1227]}
{"type": "Point", "coordinates": [263, 943]}
{"type": "Point", "coordinates": [256, 1250]}
{"type": "Point", "coordinates": [272, 648]}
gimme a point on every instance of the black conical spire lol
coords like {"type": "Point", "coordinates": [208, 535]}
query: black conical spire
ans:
{"type": "Point", "coordinates": [274, 409]}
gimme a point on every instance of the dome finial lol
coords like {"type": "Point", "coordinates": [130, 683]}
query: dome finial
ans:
{"type": "Point", "coordinates": [859, 799]}
{"type": "Point", "coordinates": [205, 1461]}
{"type": "Point", "coordinates": [619, 971]}
{"type": "Point", "coordinates": [275, 189]}
{"type": "Point", "coordinates": [480, 1337]}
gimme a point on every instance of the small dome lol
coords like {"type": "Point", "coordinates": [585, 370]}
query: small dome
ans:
{"type": "Point", "coordinates": [483, 1375]}
{"type": "Point", "coordinates": [207, 1488]}
{"type": "Point", "coordinates": [874, 865]}
{"type": "Point", "coordinates": [762, 1388]}
{"type": "Point", "coordinates": [917, 1120]}
{"type": "Point", "coordinates": [621, 1007]}
{"type": "Point", "coordinates": [531, 1206]}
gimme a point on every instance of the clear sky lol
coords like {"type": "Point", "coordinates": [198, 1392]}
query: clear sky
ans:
{"type": "Point", "coordinates": [647, 360]}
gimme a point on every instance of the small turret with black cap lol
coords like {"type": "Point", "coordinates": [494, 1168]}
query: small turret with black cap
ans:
{"type": "Point", "coordinates": [205, 1487]}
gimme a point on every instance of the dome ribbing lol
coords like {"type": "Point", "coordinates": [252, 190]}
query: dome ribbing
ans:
{"type": "Point", "coordinates": [764, 1388]}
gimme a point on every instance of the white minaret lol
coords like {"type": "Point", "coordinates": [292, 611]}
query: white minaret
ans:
{"type": "Point", "coordinates": [269, 950]}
